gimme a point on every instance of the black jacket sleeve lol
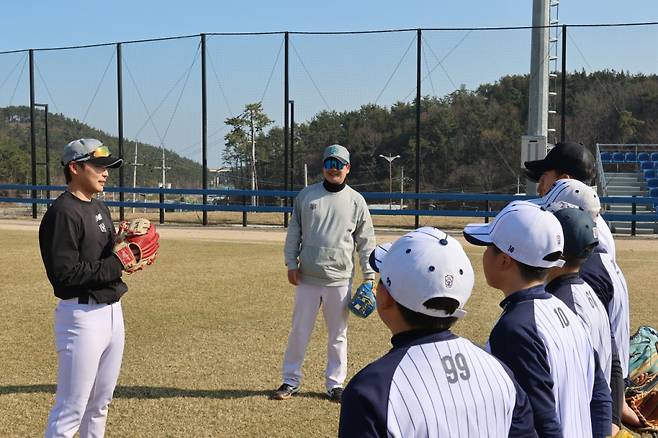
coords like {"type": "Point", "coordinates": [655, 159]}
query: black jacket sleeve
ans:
{"type": "Point", "coordinates": [60, 237]}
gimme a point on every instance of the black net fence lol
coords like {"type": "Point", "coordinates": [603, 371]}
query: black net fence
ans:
{"type": "Point", "coordinates": [358, 89]}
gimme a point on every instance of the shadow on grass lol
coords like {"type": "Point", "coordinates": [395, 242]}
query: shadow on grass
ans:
{"type": "Point", "coordinates": [150, 392]}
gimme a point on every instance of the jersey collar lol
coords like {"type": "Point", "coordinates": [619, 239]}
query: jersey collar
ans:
{"type": "Point", "coordinates": [563, 280]}
{"type": "Point", "coordinates": [531, 293]}
{"type": "Point", "coordinates": [420, 336]}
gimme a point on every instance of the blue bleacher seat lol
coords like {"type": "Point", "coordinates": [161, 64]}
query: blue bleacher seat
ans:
{"type": "Point", "coordinates": [644, 165]}
{"type": "Point", "coordinates": [650, 173]}
{"type": "Point", "coordinates": [654, 156]}
{"type": "Point", "coordinates": [643, 156]}
{"type": "Point", "coordinates": [652, 183]}
{"type": "Point", "coordinates": [655, 164]}
{"type": "Point", "coordinates": [653, 193]}
{"type": "Point", "coordinates": [606, 157]}
{"type": "Point", "coordinates": [630, 157]}
{"type": "Point", "coordinates": [617, 157]}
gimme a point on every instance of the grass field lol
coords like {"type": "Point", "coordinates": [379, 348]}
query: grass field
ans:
{"type": "Point", "coordinates": [206, 330]}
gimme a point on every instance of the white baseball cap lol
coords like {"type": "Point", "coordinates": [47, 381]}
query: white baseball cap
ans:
{"type": "Point", "coordinates": [524, 231]}
{"type": "Point", "coordinates": [425, 264]}
{"type": "Point", "coordinates": [574, 192]}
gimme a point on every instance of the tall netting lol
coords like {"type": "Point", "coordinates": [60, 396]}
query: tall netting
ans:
{"type": "Point", "coordinates": [344, 87]}
{"type": "Point", "coordinates": [246, 117]}
{"type": "Point", "coordinates": [79, 86]}
{"type": "Point", "coordinates": [245, 82]}
{"type": "Point", "coordinates": [14, 117]}
{"type": "Point", "coordinates": [476, 85]}
{"type": "Point", "coordinates": [162, 107]}
{"type": "Point", "coordinates": [353, 88]}
{"type": "Point", "coordinates": [612, 84]}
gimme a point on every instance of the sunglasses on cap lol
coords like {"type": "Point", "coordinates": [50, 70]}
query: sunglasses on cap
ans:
{"type": "Point", "coordinates": [100, 152]}
{"type": "Point", "coordinates": [333, 163]}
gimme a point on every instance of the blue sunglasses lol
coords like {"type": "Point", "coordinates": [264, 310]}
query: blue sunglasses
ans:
{"type": "Point", "coordinates": [333, 163]}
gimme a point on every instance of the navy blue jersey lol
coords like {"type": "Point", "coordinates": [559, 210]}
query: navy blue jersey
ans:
{"type": "Point", "coordinates": [547, 347]}
{"type": "Point", "coordinates": [581, 299]}
{"type": "Point", "coordinates": [435, 384]}
{"type": "Point", "coordinates": [606, 279]}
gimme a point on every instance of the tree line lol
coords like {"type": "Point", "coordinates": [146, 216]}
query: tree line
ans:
{"type": "Point", "coordinates": [470, 139]}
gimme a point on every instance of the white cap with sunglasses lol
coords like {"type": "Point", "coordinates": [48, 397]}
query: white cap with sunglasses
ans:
{"type": "Point", "coordinates": [425, 264]}
{"type": "Point", "coordinates": [90, 150]}
{"type": "Point", "coordinates": [337, 151]}
{"type": "Point", "coordinates": [524, 231]}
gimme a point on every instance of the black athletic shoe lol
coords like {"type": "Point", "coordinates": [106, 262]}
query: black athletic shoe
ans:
{"type": "Point", "coordinates": [285, 392]}
{"type": "Point", "coordinates": [335, 394]}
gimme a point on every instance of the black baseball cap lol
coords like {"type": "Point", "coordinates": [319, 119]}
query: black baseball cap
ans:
{"type": "Point", "coordinates": [571, 158]}
{"type": "Point", "coordinates": [580, 234]}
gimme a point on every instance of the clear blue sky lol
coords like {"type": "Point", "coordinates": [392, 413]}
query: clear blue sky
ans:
{"type": "Point", "coordinates": [326, 72]}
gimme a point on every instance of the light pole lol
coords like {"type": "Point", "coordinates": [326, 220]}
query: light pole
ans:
{"type": "Point", "coordinates": [390, 159]}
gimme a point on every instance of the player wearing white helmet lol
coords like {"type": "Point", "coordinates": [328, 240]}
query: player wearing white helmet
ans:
{"type": "Point", "coordinates": [537, 335]}
{"type": "Point", "coordinates": [432, 383]}
{"type": "Point", "coordinates": [603, 275]}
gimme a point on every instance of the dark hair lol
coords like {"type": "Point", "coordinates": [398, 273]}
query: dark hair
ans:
{"type": "Point", "coordinates": [528, 273]}
{"type": "Point", "coordinates": [573, 262]}
{"type": "Point", "coordinates": [67, 171]}
{"type": "Point", "coordinates": [421, 321]}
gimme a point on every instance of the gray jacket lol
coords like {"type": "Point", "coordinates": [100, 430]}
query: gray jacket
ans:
{"type": "Point", "coordinates": [323, 232]}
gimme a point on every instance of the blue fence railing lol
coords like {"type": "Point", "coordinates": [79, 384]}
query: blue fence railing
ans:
{"type": "Point", "coordinates": [481, 209]}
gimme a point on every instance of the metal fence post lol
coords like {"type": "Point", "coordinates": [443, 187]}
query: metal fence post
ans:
{"type": "Point", "coordinates": [204, 128]}
{"type": "Point", "coordinates": [633, 211]}
{"type": "Point", "coordinates": [286, 123]}
{"type": "Point", "coordinates": [563, 107]}
{"type": "Point", "coordinates": [33, 140]}
{"type": "Point", "coordinates": [419, 46]}
{"type": "Point", "coordinates": [120, 129]}
{"type": "Point", "coordinates": [162, 210]}
{"type": "Point", "coordinates": [244, 212]}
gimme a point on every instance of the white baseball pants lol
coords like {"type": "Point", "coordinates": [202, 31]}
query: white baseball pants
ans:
{"type": "Point", "coordinates": [334, 301]}
{"type": "Point", "coordinates": [89, 340]}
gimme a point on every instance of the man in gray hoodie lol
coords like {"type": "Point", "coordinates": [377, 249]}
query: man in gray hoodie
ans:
{"type": "Point", "coordinates": [329, 220]}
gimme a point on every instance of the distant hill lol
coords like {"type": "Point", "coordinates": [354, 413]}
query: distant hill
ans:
{"type": "Point", "coordinates": [15, 151]}
{"type": "Point", "coordinates": [470, 139]}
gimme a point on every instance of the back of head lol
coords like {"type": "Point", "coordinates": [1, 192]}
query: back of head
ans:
{"type": "Point", "coordinates": [569, 158]}
{"type": "Point", "coordinates": [580, 234]}
{"type": "Point", "coordinates": [429, 276]}
{"type": "Point", "coordinates": [573, 192]}
{"type": "Point", "coordinates": [523, 230]}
